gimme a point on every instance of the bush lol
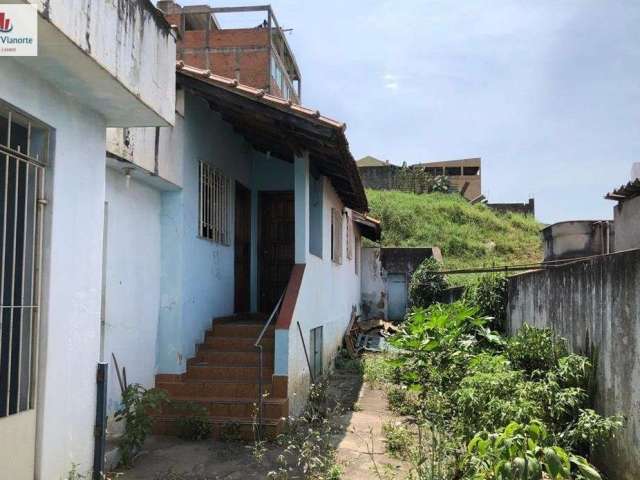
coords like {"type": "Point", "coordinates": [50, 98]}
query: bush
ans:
{"type": "Point", "coordinates": [427, 286]}
{"type": "Point", "coordinates": [193, 423]}
{"type": "Point", "coordinates": [489, 294]}
{"type": "Point", "coordinates": [522, 452]}
{"type": "Point", "coordinates": [533, 349]}
{"type": "Point", "coordinates": [469, 379]}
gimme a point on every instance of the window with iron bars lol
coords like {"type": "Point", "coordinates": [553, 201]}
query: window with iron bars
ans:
{"type": "Point", "coordinates": [214, 205]}
{"type": "Point", "coordinates": [24, 144]}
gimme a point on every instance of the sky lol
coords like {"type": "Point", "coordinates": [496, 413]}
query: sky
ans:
{"type": "Point", "coordinates": [547, 92]}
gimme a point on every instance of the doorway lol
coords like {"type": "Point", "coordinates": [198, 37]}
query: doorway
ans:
{"type": "Point", "coordinates": [242, 249]}
{"type": "Point", "coordinates": [277, 237]}
{"type": "Point", "coordinates": [397, 284]}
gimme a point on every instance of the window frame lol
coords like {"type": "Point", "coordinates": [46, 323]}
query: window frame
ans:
{"type": "Point", "coordinates": [215, 191]}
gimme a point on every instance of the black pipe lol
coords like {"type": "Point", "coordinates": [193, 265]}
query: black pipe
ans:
{"type": "Point", "coordinates": [100, 431]}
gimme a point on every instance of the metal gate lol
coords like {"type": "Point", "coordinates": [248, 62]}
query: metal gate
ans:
{"type": "Point", "coordinates": [23, 146]}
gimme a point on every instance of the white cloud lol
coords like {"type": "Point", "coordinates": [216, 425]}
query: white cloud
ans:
{"type": "Point", "coordinates": [391, 82]}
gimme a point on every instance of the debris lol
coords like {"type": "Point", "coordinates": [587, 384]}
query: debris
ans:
{"type": "Point", "coordinates": [367, 335]}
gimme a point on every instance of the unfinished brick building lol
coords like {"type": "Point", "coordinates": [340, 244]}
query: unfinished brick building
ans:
{"type": "Point", "coordinates": [259, 56]}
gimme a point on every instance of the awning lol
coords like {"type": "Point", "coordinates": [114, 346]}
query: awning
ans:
{"type": "Point", "coordinates": [370, 227]}
{"type": "Point", "coordinates": [282, 128]}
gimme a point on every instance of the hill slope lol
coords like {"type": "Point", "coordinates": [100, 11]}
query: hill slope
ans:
{"type": "Point", "coordinates": [468, 235]}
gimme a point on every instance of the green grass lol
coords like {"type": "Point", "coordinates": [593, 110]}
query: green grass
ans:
{"type": "Point", "coordinates": [468, 235]}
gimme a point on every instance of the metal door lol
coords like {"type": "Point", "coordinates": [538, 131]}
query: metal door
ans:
{"type": "Point", "coordinates": [397, 285]}
{"type": "Point", "coordinates": [22, 172]}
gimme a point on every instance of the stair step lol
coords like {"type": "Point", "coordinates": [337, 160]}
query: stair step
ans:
{"type": "Point", "coordinates": [245, 331]}
{"type": "Point", "coordinates": [224, 427]}
{"type": "Point", "coordinates": [273, 409]}
{"type": "Point", "coordinates": [213, 388]}
{"type": "Point", "coordinates": [217, 372]}
{"type": "Point", "coordinates": [241, 318]}
{"type": "Point", "coordinates": [234, 344]}
{"type": "Point", "coordinates": [212, 357]}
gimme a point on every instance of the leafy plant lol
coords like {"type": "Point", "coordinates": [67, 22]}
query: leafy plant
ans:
{"type": "Point", "coordinates": [489, 294]}
{"type": "Point", "coordinates": [137, 403]}
{"type": "Point", "coordinates": [426, 285]}
{"type": "Point", "coordinates": [193, 423]}
{"type": "Point", "coordinates": [519, 453]}
{"type": "Point", "coordinates": [533, 349]}
{"type": "Point", "coordinates": [592, 430]}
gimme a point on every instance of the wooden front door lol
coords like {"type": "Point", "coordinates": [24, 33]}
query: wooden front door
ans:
{"type": "Point", "coordinates": [242, 248]}
{"type": "Point", "coordinates": [276, 246]}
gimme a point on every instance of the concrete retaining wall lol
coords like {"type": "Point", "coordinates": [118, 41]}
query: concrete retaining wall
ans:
{"type": "Point", "coordinates": [595, 305]}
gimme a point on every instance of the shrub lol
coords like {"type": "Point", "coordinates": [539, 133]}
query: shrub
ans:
{"type": "Point", "coordinates": [533, 349]}
{"type": "Point", "coordinates": [193, 423]}
{"type": "Point", "coordinates": [593, 430]}
{"type": "Point", "coordinates": [137, 403]}
{"type": "Point", "coordinates": [489, 294]}
{"type": "Point", "coordinates": [521, 452]}
{"type": "Point", "coordinates": [427, 286]}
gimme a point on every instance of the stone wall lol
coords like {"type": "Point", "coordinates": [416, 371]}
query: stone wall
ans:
{"type": "Point", "coordinates": [595, 305]}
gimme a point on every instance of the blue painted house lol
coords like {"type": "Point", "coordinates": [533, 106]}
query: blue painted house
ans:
{"type": "Point", "coordinates": [246, 218]}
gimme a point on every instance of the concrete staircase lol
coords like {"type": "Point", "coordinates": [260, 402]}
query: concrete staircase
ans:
{"type": "Point", "coordinates": [223, 377]}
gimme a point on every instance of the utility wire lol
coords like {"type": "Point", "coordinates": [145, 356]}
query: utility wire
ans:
{"type": "Point", "coordinates": [523, 267]}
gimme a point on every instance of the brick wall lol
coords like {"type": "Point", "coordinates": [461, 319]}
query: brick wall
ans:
{"type": "Point", "coordinates": [236, 53]}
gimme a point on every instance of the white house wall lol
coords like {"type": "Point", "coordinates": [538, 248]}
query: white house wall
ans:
{"type": "Point", "coordinates": [132, 281]}
{"type": "Point", "coordinates": [152, 151]}
{"type": "Point", "coordinates": [327, 296]}
{"type": "Point", "coordinates": [127, 38]}
{"type": "Point", "coordinates": [197, 274]}
{"type": "Point", "coordinates": [70, 324]}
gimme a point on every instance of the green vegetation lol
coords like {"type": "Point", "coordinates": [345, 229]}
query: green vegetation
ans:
{"type": "Point", "coordinates": [193, 422]}
{"type": "Point", "coordinates": [493, 408]}
{"type": "Point", "coordinates": [137, 404]}
{"type": "Point", "coordinates": [427, 286]}
{"type": "Point", "coordinates": [468, 235]}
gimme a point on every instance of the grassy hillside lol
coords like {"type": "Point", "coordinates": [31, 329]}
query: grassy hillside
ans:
{"type": "Point", "coordinates": [468, 235]}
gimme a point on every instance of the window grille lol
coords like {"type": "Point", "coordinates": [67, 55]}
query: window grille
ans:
{"type": "Point", "coordinates": [23, 151]}
{"type": "Point", "coordinates": [214, 205]}
{"type": "Point", "coordinates": [336, 235]}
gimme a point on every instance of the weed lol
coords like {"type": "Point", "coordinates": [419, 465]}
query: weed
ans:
{"type": "Point", "coordinates": [193, 423]}
{"type": "Point", "coordinates": [137, 403]}
{"type": "Point", "coordinates": [230, 432]}
{"type": "Point", "coordinates": [398, 440]}
{"type": "Point", "coordinates": [377, 369]}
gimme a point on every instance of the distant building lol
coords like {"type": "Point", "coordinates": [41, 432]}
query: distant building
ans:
{"type": "Point", "coordinates": [259, 57]}
{"type": "Point", "coordinates": [626, 214]}
{"type": "Point", "coordinates": [463, 175]}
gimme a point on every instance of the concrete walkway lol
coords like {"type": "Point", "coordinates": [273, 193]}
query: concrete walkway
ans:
{"type": "Point", "coordinates": [361, 451]}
